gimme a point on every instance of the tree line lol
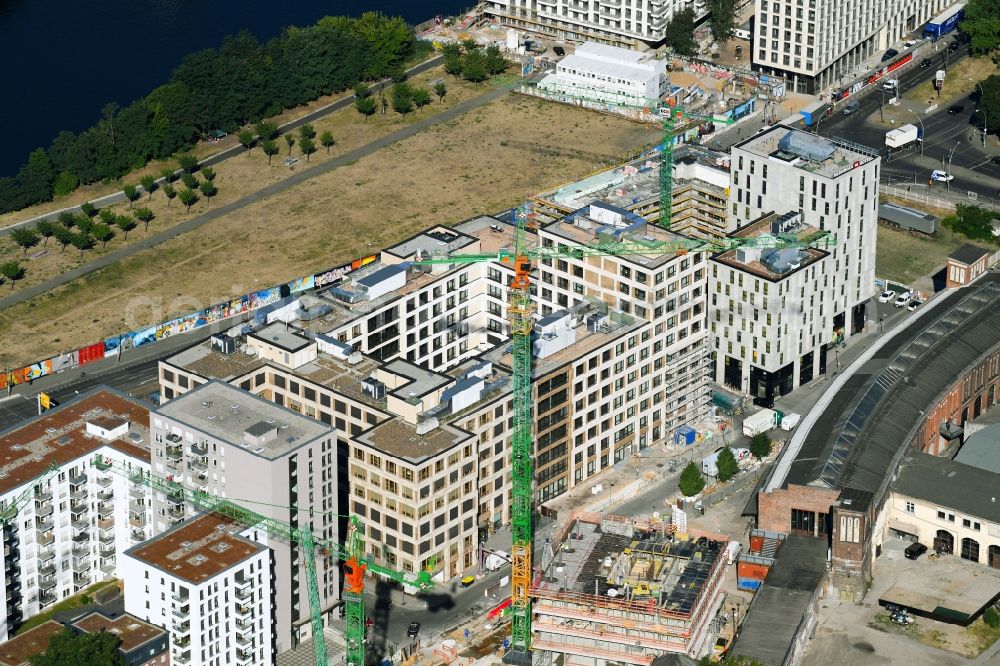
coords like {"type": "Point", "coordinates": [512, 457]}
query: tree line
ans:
{"type": "Point", "coordinates": [241, 82]}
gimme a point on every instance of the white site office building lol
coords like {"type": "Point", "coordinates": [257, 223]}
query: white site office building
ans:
{"type": "Point", "coordinates": [775, 315]}
{"type": "Point", "coordinates": [813, 43]}
{"type": "Point", "coordinates": [627, 23]}
{"type": "Point", "coordinates": [609, 73]}
{"type": "Point", "coordinates": [74, 518]}
{"type": "Point", "coordinates": [210, 587]}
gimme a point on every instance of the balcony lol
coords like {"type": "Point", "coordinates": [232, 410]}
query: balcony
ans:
{"type": "Point", "coordinates": [182, 643]}
{"type": "Point", "coordinates": [244, 594]}
{"type": "Point", "coordinates": [80, 551]}
{"type": "Point", "coordinates": [102, 464]}
{"type": "Point", "coordinates": [244, 610]}
{"type": "Point", "coordinates": [79, 495]}
{"type": "Point", "coordinates": [182, 628]}
{"type": "Point", "coordinates": [245, 642]}
{"type": "Point", "coordinates": [46, 554]}
{"type": "Point", "coordinates": [78, 480]}
{"type": "Point", "coordinates": [81, 539]}
{"type": "Point", "coordinates": [175, 496]}
{"type": "Point", "coordinates": [105, 509]}
{"type": "Point", "coordinates": [244, 656]}
{"type": "Point", "coordinates": [81, 579]}
{"type": "Point", "coordinates": [137, 535]}
{"type": "Point", "coordinates": [106, 495]}
{"type": "Point", "coordinates": [47, 570]}
{"type": "Point", "coordinates": [175, 452]}
{"type": "Point", "coordinates": [106, 536]}
{"type": "Point", "coordinates": [43, 523]}
{"type": "Point", "coordinates": [46, 599]}
{"type": "Point", "coordinates": [46, 582]}
{"type": "Point", "coordinates": [107, 566]}
{"type": "Point", "coordinates": [104, 481]}
{"type": "Point", "coordinates": [198, 465]}
{"type": "Point", "coordinates": [46, 538]}
{"type": "Point", "coordinates": [199, 449]}
{"type": "Point", "coordinates": [137, 492]}
{"type": "Point", "coordinates": [199, 481]}
{"type": "Point", "coordinates": [43, 496]}
{"type": "Point", "coordinates": [180, 598]}
{"type": "Point", "coordinates": [137, 520]}
{"type": "Point", "coordinates": [176, 511]}
{"type": "Point", "coordinates": [106, 523]}
{"type": "Point", "coordinates": [107, 548]}
{"type": "Point", "coordinates": [80, 523]}
{"type": "Point", "coordinates": [182, 612]}
{"type": "Point", "coordinates": [43, 509]}
{"type": "Point", "coordinates": [183, 658]}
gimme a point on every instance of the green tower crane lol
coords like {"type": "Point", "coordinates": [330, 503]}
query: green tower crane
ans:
{"type": "Point", "coordinates": [519, 312]}
{"type": "Point", "coordinates": [353, 556]}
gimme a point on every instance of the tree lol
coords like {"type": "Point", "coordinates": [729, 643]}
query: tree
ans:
{"type": "Point", "coordinates": [148, 183]}
{"type": "Point", "coordinates": [402, 98]}
{"type": "Point", "coordinates": [289, 141]}
{"type": "Point", "coordinates": [84, 224]}
{"type": "Point", "coordinates": [991, 617]}
{"type": "Point", "coordinates": [452, 59]}
{"type": "Point", "coordinates": [474, 66]}
{"type": "Point", "coordinates": [67, 218]}
{"type": "Point", "coordinates": [421, 98]}
{"type": "Point", "coordinates": [723, 13]}
{"type": "Point", "coordinates": [208, 189]}
{"type": "Point", "coordinates": [496, 63]}
{"type": "Point", "coordinates": [189, 198]}
{"type": "Point", "coordinates": [12, 271]}
{"type": "Point", "coordinates": [82, 241]}
{"type": "Point", "coordinates": [65, 183]}
{"type": "Point", "coordinates": [25, 237]}
{"type": "Point", "coordinates": [107, 216]}
{"type": "Point", "coordinates": [679, 33]}
{"type": "Point", "coordinates": [208, 173]}
{"type": "Point", "coordinates": [67, 648]}
{"type": "Point", "coordinates": [168, 174]}
{"type": "Point", "coordinates": [266, 130]}
{"type": "Point", "coordinates": [982, 25]}
{"type": "Point", "coordinates": [45, 228]}
{"type": "Point", "coordinates": [145, 216]}
{"type": "Point", "coordinates": [188, 162]}
{"type": "Point", "coordinates": [103, 233]}
{"type": "Point", "coordinates": [972, 222]}
{"type": "Point", "coordinates": [36, 178]}
{"type": "Point", "coordinates": [246, 139]}
{"type": "Point", "coordinates": [729, 660]}
{"type": "Point", "coordinates": [308, 147]}
{"type": "Point", "coordinates": [63, 236]}
{"type": "Point", "coordinates": [360, 90]}
{"type": "Point", "coordinates": [366, 106]}
{"type": "Point", "coordinates": [169, 192]}
{"type": "Point", "coordinates": [440, 89]}
{"type": "Point", "coordinates": [307, 132]}
{"type": "Point", "coordinates": [190, 180]}
{"type": "Point", "coordinates": [131, 193]}
{"type": "Point", "coordinates": [760, 445]}
{"type": "Point", "coordinates": [726, 465]}
{"type": "Point", "coordinates": [126, 223]}
{"type": "Point", "coordinates": [691, 482]}
{"type": "Point", "coordinates": [326, 139]}
{"type": "Point", "coordinates": [270, 149]}
{"type": "Point", "coordinates": [88, 209]}
{"type": "Point", "coordinates": [989, 100]}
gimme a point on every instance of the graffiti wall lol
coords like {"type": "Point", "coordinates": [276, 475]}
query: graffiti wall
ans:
{"type": "Point", "coordinates": [240, 305]}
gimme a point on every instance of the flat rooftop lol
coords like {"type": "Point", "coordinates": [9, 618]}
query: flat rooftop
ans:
{"type": "Point", "coordinates": [226, 412]}
{"type": "Point", "coordinates": [839, 155]}
{"type": "Point", "coordinates": [133, 632]}
{"type": "Point", "coordinates": [755, 262]}
{"type": "Point", "coordinates": [438, 240]}
{"type": "Point", "coordinates": [197, 549]}
{"type": "Point", "coordinates": [19, 650]}
{"type": "Point", "coordinates": [206, 362]}
{"type": "Point", "coordinates": [59, 436]}
{"type": "Point", "coordinates": [279, 335]}
{"type": "Point", "coordinates": [947, 588]}
{"type": "Point", "coordinates": [400, 439]}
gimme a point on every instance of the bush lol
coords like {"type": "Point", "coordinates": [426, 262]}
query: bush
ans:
{"type": "Point", "coordinates": [992, 617]}
{"type": "Point", "coordinates": [760, 445]}
{"type": "Point", "coordinates": [691, 482]}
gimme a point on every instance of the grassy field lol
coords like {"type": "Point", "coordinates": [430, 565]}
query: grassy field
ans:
{"type": "Point", "coordinates": [960, 79]}
{"type": "Point", "coordinates": [202, 149]}
{"type": "Point", "coordinates": [486, 161]}
{"type": "Point", "coordinates": [904, 257]}
{"type": "Point", "coordinates": [238, 177]}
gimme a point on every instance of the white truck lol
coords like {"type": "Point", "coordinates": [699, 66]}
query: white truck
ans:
{"type": "Point", "coordinates": [902, 136]}
{"type": "Point", "coordinates": [496, 560]}
{"type": "Point", "coordinates": [708, 467]}
{"type": "Point", "coordinates": [760, 422]}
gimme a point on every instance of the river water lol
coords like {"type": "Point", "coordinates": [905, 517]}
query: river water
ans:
{"type": "Point", "coordinates": [64, 60]}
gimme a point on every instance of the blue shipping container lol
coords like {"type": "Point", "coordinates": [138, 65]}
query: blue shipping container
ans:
{"type": "Point", "coordinates": [684, 435]}
{"type": "Point", "coordinates": [748, 583]}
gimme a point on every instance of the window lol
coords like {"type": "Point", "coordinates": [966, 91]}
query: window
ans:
{"type": "Point", "coordinates": [910, 508]}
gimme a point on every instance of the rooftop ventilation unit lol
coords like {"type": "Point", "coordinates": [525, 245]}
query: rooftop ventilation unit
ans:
{"type": "Point", "coordinates": [807, 146]}
{"type": "Point", "coordinates": [374, 388]}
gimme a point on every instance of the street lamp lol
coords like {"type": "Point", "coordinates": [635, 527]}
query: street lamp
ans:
{"type": "Point", "coordinates": [948, 171]}
{"type": "Point", "coordinates": [982, 95]}
{"type": "Point", "coordinates": [922, 135]}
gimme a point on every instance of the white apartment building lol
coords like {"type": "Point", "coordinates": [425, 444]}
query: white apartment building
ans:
{"type": "Point", "coordinates": [210, 585]}
{"type": "Point", "coordinates": [769, 311]}
{"type": "Point", "coordinates": [627, 23]}
{"type": "Point", "coordinates": [813, 43]}
{"type": "Point", "coordinates": [609, 73]}
{"type": "Point", "coordinates": [833, 185]}
{"type": "Point", "coordinates": [226, 442]}
{"type": "Point", "coordinates": [73, 518]}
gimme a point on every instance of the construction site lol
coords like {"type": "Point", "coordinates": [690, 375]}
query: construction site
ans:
{"type": "Point", "coordinates": [616, 590]}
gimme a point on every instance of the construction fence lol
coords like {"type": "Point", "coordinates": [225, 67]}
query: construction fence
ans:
{"type": "Point", "coordinates": [236, 307]}
{"type": "Point", "coordinates": [939, 197]}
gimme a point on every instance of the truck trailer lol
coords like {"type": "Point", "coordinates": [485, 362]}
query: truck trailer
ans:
{"type": "Point", "coordinates": [814, 112]}
{"type": "Point", "coordinates": [945, 22]}
{"type": "Point", "coordinates": [902, 136]}
{"type": "Point", "coordinates": [760, 422]}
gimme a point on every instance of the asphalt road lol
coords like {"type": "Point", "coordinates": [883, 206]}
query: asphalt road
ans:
{"type": "Point", "coordinates": [300, 176]}
{"type": "Point", "coordinates": [233, 151]}
{"type": "Point", "coordinates": [943, 133]}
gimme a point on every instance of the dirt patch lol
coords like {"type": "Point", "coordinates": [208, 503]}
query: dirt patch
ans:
{"type": "Point", "coordinates": [904, 256]}
{"type": "Point", "coordinates": [486, 161]}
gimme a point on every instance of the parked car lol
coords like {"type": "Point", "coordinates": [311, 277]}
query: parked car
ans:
{"type": "Point", "coordinates": [941, 176]}
{"type": "Point", "coordinates": [915, 550]}
{"type": "Point", "coordinates": [914, 304]}
{"type": "Point", "coordinates": [413, 629]}
{"type": "Point", "coordinates": [925, 63]}
{"type": "Point", "coordinates": [902, 299]}
{"type": "Point", "coordinates": [995, 159]}
{"type": "Point", "coordinates": [955, 110]}
{"type": "Point", "coordinates": [889, 55]}
{"type": "Point", "coordinates": [559, 51]}
{"type": "Point", "coordinates": [468, 580]}
{"type": "Point", "coordinates": [852, 107]}
{"type": "Point", "coordinates": [887, 296]}
{"type": "Point", "coordinates": [954, 46]}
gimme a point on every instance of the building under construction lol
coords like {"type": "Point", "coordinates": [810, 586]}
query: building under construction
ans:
{"type": "Point", "coordinates": [619, 591]}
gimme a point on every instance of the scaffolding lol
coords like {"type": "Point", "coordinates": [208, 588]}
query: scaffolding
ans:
{"type": "Point", "coordinates": [622, 590]}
